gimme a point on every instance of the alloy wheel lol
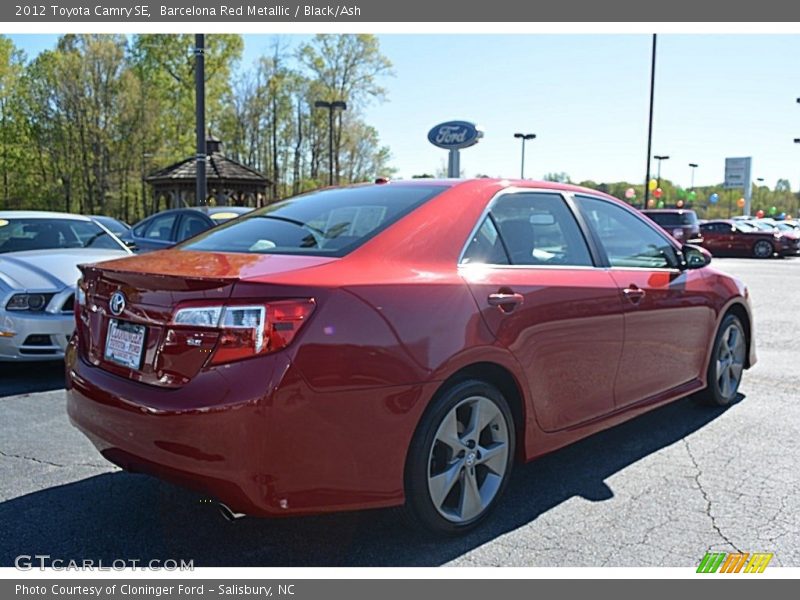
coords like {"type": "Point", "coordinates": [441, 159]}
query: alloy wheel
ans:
{"type": "Point", "coordinates": [730, 360]}
{"type": "Point", "coordinates": [468, 459]}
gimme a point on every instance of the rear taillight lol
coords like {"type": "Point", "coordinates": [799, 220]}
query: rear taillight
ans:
{"type": "Point", "coordinates": [247, 330]}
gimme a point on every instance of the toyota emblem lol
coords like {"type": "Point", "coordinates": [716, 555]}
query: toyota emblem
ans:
{"type": "Point", "coordinates": [117, 303]}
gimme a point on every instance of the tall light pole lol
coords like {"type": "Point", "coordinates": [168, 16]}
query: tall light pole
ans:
{"type": "Point", "coordinates": [201, 193]}
{"type": "Point", "coordinates": [331, 106]}
{"type": "Point", "coordinates": [659, 158]}
{"type": "Point", "coordinates": [524, 137]}
{"type": "Point", "coordinates": [650, 121]}
{"type": "Point", "coordinates": [693, 166]}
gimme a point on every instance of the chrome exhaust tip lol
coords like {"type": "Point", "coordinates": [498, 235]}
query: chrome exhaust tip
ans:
{"type": "Point", "coordinates": [228, 514]}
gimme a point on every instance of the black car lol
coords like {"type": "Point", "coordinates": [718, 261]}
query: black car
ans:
{"type": "Point", "coordinates": [680, 223]}
{"type": "Point", "coordinates": [167, 228]}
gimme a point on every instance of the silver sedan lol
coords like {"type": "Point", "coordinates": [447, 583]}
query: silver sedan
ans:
{"type": "Point", "coordinates": [39, 257]}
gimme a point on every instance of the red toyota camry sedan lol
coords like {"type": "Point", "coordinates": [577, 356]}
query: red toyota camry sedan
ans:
{"type": "Point", "coordinates": [397, 343]}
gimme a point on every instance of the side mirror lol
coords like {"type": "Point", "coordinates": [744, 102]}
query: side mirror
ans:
{"type": "Point", "coordinates": [695, 257]}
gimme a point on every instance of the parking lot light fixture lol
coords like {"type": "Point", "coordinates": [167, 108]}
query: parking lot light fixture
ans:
{"type": "Point", "coordinates": [524, 137]}
{"type": "Point", "coordinates": [331, 106]}
{"type": "Point", "coordinates": [659, 158]}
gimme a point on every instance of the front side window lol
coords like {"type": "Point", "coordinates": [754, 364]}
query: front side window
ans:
{"type": "Point", "coordinates": [324, 223]}
{"type": "Point", "coordinates": [627, 240]}
{"type": "Point", "coordinates": [534, 229]}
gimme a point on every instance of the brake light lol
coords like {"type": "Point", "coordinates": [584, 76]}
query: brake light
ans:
{"type": "Point", "coordinates": [248, 330]}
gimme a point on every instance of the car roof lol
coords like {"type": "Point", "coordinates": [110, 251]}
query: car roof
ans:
{"type": "Point", "coordinates": [40, 214]}
{"type": "Point", "coordinates": [680, 211]}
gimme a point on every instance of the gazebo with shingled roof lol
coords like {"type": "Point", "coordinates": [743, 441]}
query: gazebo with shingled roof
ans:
{"type": "Point", "coordinates": [230, 183]}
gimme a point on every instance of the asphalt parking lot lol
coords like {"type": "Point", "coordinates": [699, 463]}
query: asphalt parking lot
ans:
{"type": "Point", "coordinates": [660, 490]}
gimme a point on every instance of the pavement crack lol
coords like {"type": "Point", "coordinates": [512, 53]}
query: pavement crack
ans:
{"type": "Point", "coordinates": [698, 474]}
{"type": "Point", "coordinates": [49, 463]}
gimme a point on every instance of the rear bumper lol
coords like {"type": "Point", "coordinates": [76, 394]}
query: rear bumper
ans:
{"type": "Point", "coordinates": [57, 327]}
{"type": "Point", "coordinates": [252, 435]}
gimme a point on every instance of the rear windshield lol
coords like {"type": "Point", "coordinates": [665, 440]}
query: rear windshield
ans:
{"type": "Point", "coordinates": [673, 219]}
{"type": "Point", "coordinates": [324, 223]}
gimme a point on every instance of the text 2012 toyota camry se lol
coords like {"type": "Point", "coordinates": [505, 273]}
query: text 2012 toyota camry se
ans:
{"type": "Point", "coordinates": [397, 343]}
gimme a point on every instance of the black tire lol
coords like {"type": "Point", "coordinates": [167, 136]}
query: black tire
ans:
{"type": "Point", "coordinates": [428, 457]}
{"type": "Point", "coordinates": [763, 249]}
{"type": "Point", "coordinates": [717, 393]}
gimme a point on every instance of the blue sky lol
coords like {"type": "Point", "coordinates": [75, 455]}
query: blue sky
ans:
{"type": "Point", "coordinates": [586, 97]}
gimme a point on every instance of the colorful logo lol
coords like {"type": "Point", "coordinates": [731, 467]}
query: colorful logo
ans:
{"type": "Point", "coordinates": [745, 562]}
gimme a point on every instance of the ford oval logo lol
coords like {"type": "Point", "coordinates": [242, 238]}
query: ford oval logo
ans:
{"type": "Point", "coordinates": [117, 303]}
{"type": "Point", "coordinates": [454, 135]}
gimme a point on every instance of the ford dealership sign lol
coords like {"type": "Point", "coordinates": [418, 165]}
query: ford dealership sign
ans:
{"type": "Point", "coordinates": [454, 135]}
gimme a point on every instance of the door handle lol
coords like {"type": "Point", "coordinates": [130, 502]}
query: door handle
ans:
{"type": "Point", "coordinates": [506, 301]}
{"type": "Point", "coordinates": [634, 293]}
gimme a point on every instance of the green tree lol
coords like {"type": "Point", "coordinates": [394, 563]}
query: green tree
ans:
{"type": "Point", "coordinates": [346, 68]}
{"type": "Point", "coordinates": [559, 177]}
{"type": "Point", "coordinates": [12, 130]}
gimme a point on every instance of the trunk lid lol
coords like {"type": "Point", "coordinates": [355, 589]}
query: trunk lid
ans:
{"type": "Point", "coordinates": [153, 286]}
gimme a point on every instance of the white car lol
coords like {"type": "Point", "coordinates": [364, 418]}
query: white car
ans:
{"type": "Point", "coordinates": [39, 257]}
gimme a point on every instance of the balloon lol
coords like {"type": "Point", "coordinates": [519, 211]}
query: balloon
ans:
{"type": "Point", "coordinates": [652, 184]}
{"type": "Point", "coordinates": [630, 193]}
{"type": "Point", "coordinates": [759, 214]}
{"type": "Point", "coordinates": [782, 216]}
{"type": "Point", "coordinates": [772, 210]}
{"type": "Point", "coordinates": [680, 204]}
{"type": "Point", "coordinates": [714, 198]}
{"type": "Point", "coordinates": [658, 192]}
{"type": "Point", "coordinates": [660, 204]}
{"type": "Point", "coordinates": [692, 195]}
{"type": "Point", "coordinates": [651, 203]}
{"type": "Point", "coordinates": [680, 192]}
{"type": "Point", "coordinates": [788, 217]}
{"type": "Point", "coordinates": [740, 203]}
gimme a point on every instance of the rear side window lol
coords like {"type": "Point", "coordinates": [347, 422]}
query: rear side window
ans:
{"type": "Point", "coordinates": [190, 226]}
{"type": "Point", "coordinates": [486, 247]}
{"type": "Point", "coordinates": [160, 228]}
{"type": "Point", "coordinates": [532, 229]}
{"type": "Point", "coordinates": [324, 223]}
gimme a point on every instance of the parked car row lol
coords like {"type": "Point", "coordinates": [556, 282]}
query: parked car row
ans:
{"type": "Point", "coordinates": [740, 236]}
{"type": "Point", "coordinates": [39, 256]}
{"type": "Point", "coordinates": [748, 238]}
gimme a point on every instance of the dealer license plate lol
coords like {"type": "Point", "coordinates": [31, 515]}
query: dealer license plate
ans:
{"type": "Point", "coordinates": [125, 343]}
